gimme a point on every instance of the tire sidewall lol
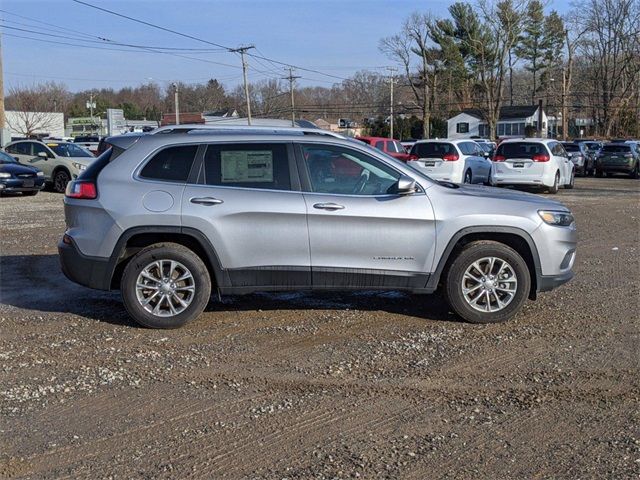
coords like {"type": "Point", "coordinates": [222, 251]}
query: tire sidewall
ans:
{"type": "Point", "coordinates": [467, 256]}
{"type": "Point", "coordinates": [190, 260]}
{"type": "Point", "coordinates": [55, 177]}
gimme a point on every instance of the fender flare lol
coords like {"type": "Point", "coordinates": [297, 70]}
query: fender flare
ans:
{"type": "Point", "coordinates": [434, 278]}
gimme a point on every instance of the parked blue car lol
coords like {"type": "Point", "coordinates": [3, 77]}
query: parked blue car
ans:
{"type": "Point", "coordinates": [15, 177]}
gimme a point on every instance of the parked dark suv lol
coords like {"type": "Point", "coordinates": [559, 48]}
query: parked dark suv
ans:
{"type": "Point", "coordinates": [619, 158]}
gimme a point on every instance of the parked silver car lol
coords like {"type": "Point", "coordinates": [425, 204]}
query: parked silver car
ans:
{"type": "Point", "coordinates": [169, 217]}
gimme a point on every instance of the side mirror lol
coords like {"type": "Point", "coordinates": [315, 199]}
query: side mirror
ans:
{"type": "Point", "coordinates": [43, 155]}
{"type": "Point", "coordinates": [17, 159]}
{"type": "Point", "coordinates": [485, 154]}
{"type": "Point", "coordinates": [406, 185]}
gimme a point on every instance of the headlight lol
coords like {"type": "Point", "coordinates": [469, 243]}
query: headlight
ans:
{"type": "Point", "coordinates": [5, 175]}
{"type": "Point", "coordinates": [40, 174]}
{"type": "Point", "coordinates": [79, 166]}
{"type": "Point", "coordinates": [559, 219]}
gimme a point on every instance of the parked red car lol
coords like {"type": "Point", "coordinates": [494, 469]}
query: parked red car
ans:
{"type": "Point", "coordinates": [387, 145]}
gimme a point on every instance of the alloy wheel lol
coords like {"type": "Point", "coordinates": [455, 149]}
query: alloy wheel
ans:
{"type": "Point", "coordinates": [489, 284]}
{"type": "Point", "coordinates": [165, 288]}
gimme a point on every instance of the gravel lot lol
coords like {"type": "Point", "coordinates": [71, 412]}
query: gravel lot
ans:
{"type": "Point", "coordinates": [304, 385]}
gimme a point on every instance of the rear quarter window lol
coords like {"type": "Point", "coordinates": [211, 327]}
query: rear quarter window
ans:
{"type": "Point", "coordinates": [171, 164]}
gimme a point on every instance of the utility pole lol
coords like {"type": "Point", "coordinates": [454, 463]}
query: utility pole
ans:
{"type": "Point", "coordinates": [91, 105]}
{"type": "Point", "coordinates": [292, 79]}
{"type": "Point", "coordinates": [392, 80]}
{"type": "Point", "coordinates": [177, 102]}
{"type": "Point", "coordinates": [242, 51]}
{"type": "Point", "coordinates": [2, 118]}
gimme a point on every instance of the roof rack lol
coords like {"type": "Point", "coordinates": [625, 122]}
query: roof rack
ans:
{"type": "Point", "coordinates": [199, 128]}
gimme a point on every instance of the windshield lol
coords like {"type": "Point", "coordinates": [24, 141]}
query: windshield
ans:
{"type": "Point", "coordinates": [6, 158]}
{"type": "Point", "coordinates": [68, 150]}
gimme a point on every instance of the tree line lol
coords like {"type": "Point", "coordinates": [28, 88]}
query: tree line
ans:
{"type": "Point", "coordinates": [584, 66]}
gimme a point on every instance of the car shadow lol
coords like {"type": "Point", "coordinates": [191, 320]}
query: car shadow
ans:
{"type": "Point", "coordinates": [36, 283]}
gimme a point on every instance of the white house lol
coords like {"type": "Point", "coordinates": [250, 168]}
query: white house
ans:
{"type": "Point", "coordinates": [513, 122]}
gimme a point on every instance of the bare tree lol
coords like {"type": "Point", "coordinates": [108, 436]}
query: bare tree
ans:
{"type": "Point", "coordinates": [34, 107]}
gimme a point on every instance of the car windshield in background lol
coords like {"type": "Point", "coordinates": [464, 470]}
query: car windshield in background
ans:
{"type": "Point", "coordinates": [521, 149]}
{"type": "Point", "coordinates": [6, 158]}
{"type": "Point", "coordinates": [571, 147]}
{"type": "Point", "coordinates": [432, 149]}
{"type": "Point", "coordinates": [616, 148]}
{"type": "Point", "coordinates": [68, 150]}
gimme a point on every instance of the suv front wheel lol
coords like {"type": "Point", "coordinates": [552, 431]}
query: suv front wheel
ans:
{"type": "Point", "coordinates": [165, 285]}
{"type": "Point", "coordinates": [487, 282]}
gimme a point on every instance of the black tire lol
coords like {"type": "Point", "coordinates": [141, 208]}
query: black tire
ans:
{"type": "Point", "coordinates": [60, 180]}
{"type": "Point", "coordinates": [556, 184]}
{"type": "Point", "coordinates": [30, 194]}
{"type": "Point", "coordinates": [488, 182]}
{"type": "Point", "coordinates": [599, 173]}
{"type": "Point", "coordinates": [572, 181]}
{"type": "Point", "coordinates": [476, 251]}
{"type": "Point", "coordinates": [636, 171]}
{"type": "Point", "coordinates": [166, 251]}
{"type": "Point", "coordinates": [467, 177]}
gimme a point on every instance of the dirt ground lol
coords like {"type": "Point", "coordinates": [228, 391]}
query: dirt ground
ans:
{"type": "Point", "coordinates": [297, 386]}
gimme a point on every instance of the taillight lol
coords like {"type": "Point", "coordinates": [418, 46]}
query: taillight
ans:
{"type": "Point", "coordinates": [541, 157]}
{"type": "Point", "coordinates": [450, 157]}
{"type": "Point", "coordinates": [413, 157]}
{"type": "Point", "coordinates": [83, 190]}
{"type": "Point", "coordinates": [499, 158]}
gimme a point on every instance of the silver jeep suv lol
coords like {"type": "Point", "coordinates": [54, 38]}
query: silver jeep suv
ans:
{"type": "Point", "coordinates": [169, 216]}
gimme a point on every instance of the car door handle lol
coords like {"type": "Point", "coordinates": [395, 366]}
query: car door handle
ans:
{"type": "Point", "coordinates": [206, 201]}
{"type": "Point", "coordinates": [328, 206]}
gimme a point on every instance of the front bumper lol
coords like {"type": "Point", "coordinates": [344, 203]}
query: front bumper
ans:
{"type": "Point", "coordinates": [13, 185]}
{"type": "Point", "coordinates": [549, 282]}
{"type": "Point", "coordinates": [92, 272]}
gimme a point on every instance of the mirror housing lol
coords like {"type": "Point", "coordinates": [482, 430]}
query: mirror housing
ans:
{"type": "Point", "coordinates": [405, 185]}
{"type": "Point", "coordinates": [43, 155]}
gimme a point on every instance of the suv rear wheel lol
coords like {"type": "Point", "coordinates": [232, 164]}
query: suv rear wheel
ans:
{"type": "Point", "coordinates": [487, 282]}
{"type": "Point", "coordinates": [165, 285]}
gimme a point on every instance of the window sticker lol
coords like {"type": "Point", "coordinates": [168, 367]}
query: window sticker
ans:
{"type": "Point", "coordinates": [247, 166]}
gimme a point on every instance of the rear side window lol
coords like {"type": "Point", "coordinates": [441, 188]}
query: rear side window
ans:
{"type": "Point", "coordinates": [172, 164]}
{"type": "Point", "coordinates": [433, 149]}
{"type": "Point", "coordinates": [257, 165]}
{"type": "Point", "coordinates": [380, 145]}
{"type": "Point", "coordinates": [616, 148]}
{"type": "Point", "coordinates": [23, 148]}
{"type": "Point", "coordinates": [521, 149]}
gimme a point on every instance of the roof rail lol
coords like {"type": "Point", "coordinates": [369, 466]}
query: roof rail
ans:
{"type": "Point", "coordinates": [200, 128]}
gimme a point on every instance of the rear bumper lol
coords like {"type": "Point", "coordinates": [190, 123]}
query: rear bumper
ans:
{"type": "Point", "coordinates": [616, 168]}
{"type": "Point", "coordinates": [92, 272]}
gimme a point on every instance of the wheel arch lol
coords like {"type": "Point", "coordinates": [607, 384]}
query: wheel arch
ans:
{"type": "Point", "coordinates": [513, 237]}
{"type": "Point", "coordinates": [137, 238]}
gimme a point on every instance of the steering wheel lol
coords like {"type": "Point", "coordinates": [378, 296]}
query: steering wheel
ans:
{"type": "Point", "coordinates": [362, 182]}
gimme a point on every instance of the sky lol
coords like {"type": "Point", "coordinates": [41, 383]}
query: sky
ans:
{"type": "Point", "coordinates": [334, 37]}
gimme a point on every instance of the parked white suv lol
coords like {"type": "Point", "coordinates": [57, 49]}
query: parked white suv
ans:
{"type": "Point", "coordinates": [457, 161]}
{"type": "Point", "coordinates": [60, 162]}
{"type": "Point", "coordinates": [532, 161]}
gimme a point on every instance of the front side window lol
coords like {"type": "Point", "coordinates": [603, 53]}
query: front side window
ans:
{"type": "Point", "coordinates": [252, 165]}
{"type": "Point", "coordinates": [39, 148]}
{"type": "Point", "coordinates": [338, 170]}
{"type": "Point", "coordinates": [171, 164]}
